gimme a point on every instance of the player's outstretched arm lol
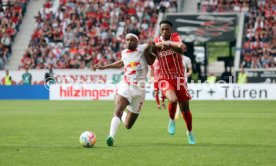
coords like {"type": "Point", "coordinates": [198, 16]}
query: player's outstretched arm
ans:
{"type": "Point", "coordinates": [149, 54]}
{"type": "Point", "coordinates": [117, 64]}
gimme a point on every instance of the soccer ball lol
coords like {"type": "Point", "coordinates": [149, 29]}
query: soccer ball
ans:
{"type": "Point", "coordinates": [87, 139]}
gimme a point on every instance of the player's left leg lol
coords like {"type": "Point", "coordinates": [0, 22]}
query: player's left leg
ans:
{"type": "Point", "coordinates": [183, 101]}
{"type": "Point", "coordinates": [134, 108]}
{"type": "Point", "coordinates": [156, 95]}
{"type": "Point", "coordinates": [187, 116]}
{"type": "Point", "coordinates": [130, 119]}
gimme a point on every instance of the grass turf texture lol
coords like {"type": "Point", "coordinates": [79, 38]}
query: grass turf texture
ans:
{"type": "Point", "coordinates": [47, 133]}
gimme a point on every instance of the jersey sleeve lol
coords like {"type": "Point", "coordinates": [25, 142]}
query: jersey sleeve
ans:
{"type": "Point", "coordinates": [156, 39]}
{"type": "Point", "coordinates": [175, 37]}
{"type": "Point", "coordinates": [142, 47]}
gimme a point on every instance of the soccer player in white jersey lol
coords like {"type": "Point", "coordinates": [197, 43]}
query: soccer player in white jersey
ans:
{"type": "Point", "coordinates": [189, 70]}
{"type": "Point", "coordinates": [131, 90]}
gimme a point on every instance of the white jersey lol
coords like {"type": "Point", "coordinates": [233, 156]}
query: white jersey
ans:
{"type": "Point", "coordinates": [187, 64]}
{"type": "Point", "coordinates": [135, 73]}
{"type": "Point", "coordinates": [135, 65]}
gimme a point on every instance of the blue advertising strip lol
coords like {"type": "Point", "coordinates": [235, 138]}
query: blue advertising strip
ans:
{"type": "Point", "coordinates": [24, 92]}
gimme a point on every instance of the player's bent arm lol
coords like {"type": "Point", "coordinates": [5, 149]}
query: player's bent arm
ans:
{"type": "Point", "coordinates": [150, 58]}
{"type": "Point", "coordinates": [176, 46]}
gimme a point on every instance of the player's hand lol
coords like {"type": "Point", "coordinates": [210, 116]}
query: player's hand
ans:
{"type": "Point", "coordinates": [183, 47]}
{"type": "Point", "coordinates": [152, 48]}
{"type": "Point", "coordinates": [163, 45]}
{"type": "Point", "coordinates": [151, 43]}
{"type": "Point", "coordinates": [97, 66]}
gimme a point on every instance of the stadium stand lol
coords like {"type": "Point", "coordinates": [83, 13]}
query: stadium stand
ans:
{"type": "Point", "coordinates": [79, 33]}
{"type": "Point", "coordinates": [259, 46]}
{"type": "Point", "coordinates": [11, 14]}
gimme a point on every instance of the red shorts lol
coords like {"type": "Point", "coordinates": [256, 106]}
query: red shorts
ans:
{"type": "Point", "coordinates": [181, 90]}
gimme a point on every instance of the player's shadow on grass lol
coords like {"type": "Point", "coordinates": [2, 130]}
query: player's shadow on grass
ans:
{"type": "Point", "coordinates": [151, 144]}
{"type": "Point", "coordinates": [231, 145]}
{"type": "Point", "coordinates": [180, 144]}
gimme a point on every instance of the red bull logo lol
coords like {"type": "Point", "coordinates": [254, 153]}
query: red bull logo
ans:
{"type": "Point", "coordinates": [133, 64]}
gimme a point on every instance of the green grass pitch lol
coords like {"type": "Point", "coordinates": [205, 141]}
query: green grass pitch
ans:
{"type": "Point", "coordinates": [47, 133]}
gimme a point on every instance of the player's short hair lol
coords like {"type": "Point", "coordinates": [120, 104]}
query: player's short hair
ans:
{"type": "Point", "coordinates": [166, 22]}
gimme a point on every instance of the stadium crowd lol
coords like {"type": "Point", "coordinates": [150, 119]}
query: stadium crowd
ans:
{"type": "Point", "coordinates": [11, 14]}
{"type": "Point", "coordinates": [80, 33]}
{"type": "Point", "coordinates": [259, 41]}
{"type": "Point", "coordinates": [224, 5]}
{"type": "Point", "coordinates": [259, 47]}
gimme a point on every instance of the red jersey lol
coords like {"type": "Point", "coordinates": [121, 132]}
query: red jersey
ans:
{"type": "Point", "coordinates": [156, 70]}
{"type": "Point", "coordinates": [171, 65]}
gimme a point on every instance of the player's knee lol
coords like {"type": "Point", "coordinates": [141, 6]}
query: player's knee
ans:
{"type": "Point", "coordinates": [184, 106]}
{"type": "Point", "coordinates": [173, 99]}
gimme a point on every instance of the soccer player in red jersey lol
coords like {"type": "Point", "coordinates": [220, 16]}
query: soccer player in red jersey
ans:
{"type": "Point", "coordinates": [169, 50]}
{"type": "Point", "coordinates": [155, 70]}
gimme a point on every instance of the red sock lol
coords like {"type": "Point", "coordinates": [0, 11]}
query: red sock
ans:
{"type": "Point", "coordinates": [187, 116]}
{"type": "Point", "coordinates": [157, 99]}
{"type": "Point", "coordinates": [172, 109]}
{"type": "Point", "coordinates": [163, 99]}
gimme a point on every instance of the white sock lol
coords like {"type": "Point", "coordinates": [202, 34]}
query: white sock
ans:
{"type": "Point", "coordinates": [115, 122]}
{"type": "Point", "coordinates": [123, 118]}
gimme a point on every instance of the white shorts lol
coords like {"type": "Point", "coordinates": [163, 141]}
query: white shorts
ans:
{"type": "Point", "coordinates": [134, 95]}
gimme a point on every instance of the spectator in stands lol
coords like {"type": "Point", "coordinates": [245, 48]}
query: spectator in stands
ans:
{"type": "Point", "coordinates": [211, 78]}
{"type": "Point", "coordinates": [255, 62]}
{"type": "Point", "coordinates": [49, 77]}
{"type": "Point", "coordinates": [7, 79]}
{"type": "Point", "coordinates": [267, 61]}
{"type": "Point", "coordinates": [242, 77]}
{"type": "Point", "coordinates": [3, 56]}
{"type": "Point", "coordinates": [11, 18]}
{"type": "Point", "coordinates": [227, 75]}
{"type": "Point", "coordinates": [7, 42]}
{"type": "Point", "coordinates": [27, 77]}
{"type": "Point", "coordinates": [89, 32]}
{"type": "Point", "coordinates": [2, 64]}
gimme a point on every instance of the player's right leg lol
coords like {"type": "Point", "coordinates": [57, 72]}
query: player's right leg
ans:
{"type": "Point", "coordinates": [156, 90]}
{"type": "Point", "coordinates": [121, 104]}
{"type": "Point", "coordinates": [163, 102]}
{"type": "Point", "coordinates": [169, 92]}
{"type": "Point", "coordinates": [157, 99]}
